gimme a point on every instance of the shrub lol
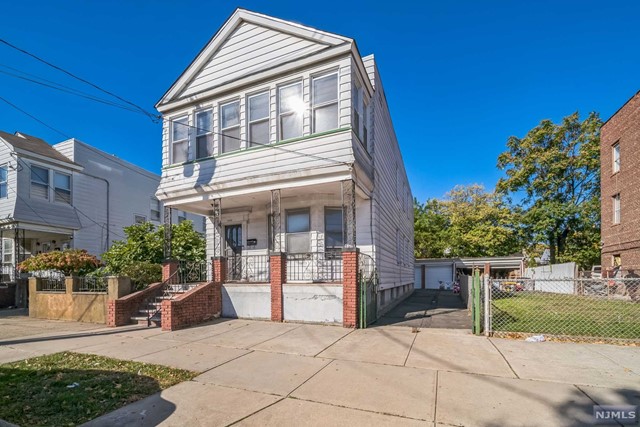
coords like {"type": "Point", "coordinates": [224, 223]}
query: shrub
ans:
{"type": "Point", "coordinates": [142, 274]}
{"type": "Point", "coordinates": [71, 261]}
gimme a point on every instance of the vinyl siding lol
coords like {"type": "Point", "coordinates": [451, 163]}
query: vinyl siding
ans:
{"type": "Point", "coordinates": [7, 204]}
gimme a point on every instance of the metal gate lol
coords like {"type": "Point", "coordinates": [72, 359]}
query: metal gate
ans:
{"type": "Point", "coordinates": [368, 285]}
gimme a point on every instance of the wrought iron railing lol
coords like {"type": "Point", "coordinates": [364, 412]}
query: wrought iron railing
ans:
{"type": "Point", "coordinates": [193, 272]}
{"type": "Point", "coordinates": [92, 284]}
{"type": "Point", "coordinates": [314, 267]}
{"type": "Point", "coordinates": [368, 286]}
{"type": "Point", "coordinates": [248, 268]}
{"type": "Point", "coordinates": [50, 280]}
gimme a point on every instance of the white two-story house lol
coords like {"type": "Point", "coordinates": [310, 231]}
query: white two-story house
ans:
{"type": "Point", "coordinates": [281, 135]}
{"type": "Point", "coordinates": [69, 196]}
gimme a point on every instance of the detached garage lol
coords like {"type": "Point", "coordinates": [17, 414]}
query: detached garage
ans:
{"type": "Point", "coordinates": [430, 272]}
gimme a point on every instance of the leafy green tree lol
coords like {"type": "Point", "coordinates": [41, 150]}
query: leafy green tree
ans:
{"type": "Point", "coordinates": [555, 170]}
{"type": "Point", "coordinates": [431, 225]}
{"type": "Point", "coordinates": [145, 243]}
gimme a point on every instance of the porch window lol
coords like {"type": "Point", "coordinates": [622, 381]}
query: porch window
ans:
{"type": "Point", "coordinates": [204, 134]}
{"type": "Point", "coordinates": [62, 187]}
{"type": "Point", "coordinates": [7, 251]}
{"type": "Point", "coordinates": [258, 119]}
{"type": "Point", "coordinates": [39, 182]}
{"type": "Point", "coordinates": [155, 209]}
{"type": "Point", "coordinates": [325, 102]}
{"type": "Point", "coordinates": [298, 225]}
{"type": "Point", "coordinates": [180, 139]}
{"type": "Point", "coordinates": [230, 122]}
{"type": "Point", "coordinates": [4, 173]}
{"type": "Point", "coordinates": [333, 229]}
{"type": "Point", "coordinates": [290, 109]}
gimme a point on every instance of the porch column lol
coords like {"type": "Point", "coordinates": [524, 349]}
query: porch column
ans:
{"type": "Point", "coordinates": [216, 218]}
{"type": "Point", "coordinates": [167, 235]}
{"type": "Point", "coordinates": [278, 276]}
{"type": "Point", "coordinates": [276, 222]}
{"type": "Point", "coordinates": [350, 291]}
{"type": "Point", "coordinates": [349, 213]}
{"type": "Point", "coordinates": [218, 276]}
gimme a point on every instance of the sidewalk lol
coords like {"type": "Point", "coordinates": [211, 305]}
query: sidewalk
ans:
{"type": "Point", "coordinates": [262, 373]}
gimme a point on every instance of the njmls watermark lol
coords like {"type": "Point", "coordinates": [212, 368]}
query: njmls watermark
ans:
{"type": "Point", "coordinates": [615, 414]}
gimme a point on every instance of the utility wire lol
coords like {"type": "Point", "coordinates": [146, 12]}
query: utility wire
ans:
{"type": "Point", "coordinates": [34, 118]}
{"type": "Point", "coordinates": [151, 115]}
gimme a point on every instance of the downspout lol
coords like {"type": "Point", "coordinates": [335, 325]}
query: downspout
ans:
{"type": "Point", "coordinates": [106, 246]}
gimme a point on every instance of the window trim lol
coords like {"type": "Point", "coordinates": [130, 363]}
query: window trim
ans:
{"type": "Point", "coordinates": [56, 189]}
{"type": "Point", "coordinates": [266, 119]}
{"type": "Point", "coordinates": [198, 134]}
{"type": "Point", "coordinates": [280, 114]}
{"type": "Point", "coordinates": [172, 122]}
{"type": "Point", "coordinates": [223, 129]}
{"type": "Point", "coordinates": [47, 184]}
{"type": "Point", "coordinates": [151, 218]}
{"type": "Point", "coordinates": [617, 208]}
{"type": "Point", "coordinates": [335, 102]}
{"type": "Point", "coordinates": [615, 162]}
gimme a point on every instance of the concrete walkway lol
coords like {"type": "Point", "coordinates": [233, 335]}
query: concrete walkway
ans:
{"type": "Point", "coordinates": [262, 373]}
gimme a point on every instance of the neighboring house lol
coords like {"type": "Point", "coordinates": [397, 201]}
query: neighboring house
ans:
{"type": "Point", "coordinates": [69, 195]}
{"type": "Point", "coordinates": [431, 273]}
{"type": "Point", "coordinates": [281, 135]}
{"type": "Point", "coordinates": [620, 188]}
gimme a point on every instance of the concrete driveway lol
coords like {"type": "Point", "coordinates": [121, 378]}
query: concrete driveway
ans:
{"type": "Point", "coordinates": [262, 373]}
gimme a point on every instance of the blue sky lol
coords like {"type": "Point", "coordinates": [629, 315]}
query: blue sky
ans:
{"type": "Point", "coordinates": [460, 76]}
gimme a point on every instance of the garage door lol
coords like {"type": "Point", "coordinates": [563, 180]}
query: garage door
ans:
{"type": "Point", "coordinates": [436, 274]}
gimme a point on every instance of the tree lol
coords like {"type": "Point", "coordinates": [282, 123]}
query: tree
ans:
{"type": "Point", "coordinates": [555, 170]}
{"type": "Point", "coordinates": [468, 222]}
{"type": "Point", "coordinates": [145, 244]}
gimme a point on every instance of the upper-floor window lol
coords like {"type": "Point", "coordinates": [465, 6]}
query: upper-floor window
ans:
{"type": "Point", "coordinates": [258, 126]}
{"type": "Point", "coordinates": [204, 134]}
{"type": "Point", "coordinates": [230, 124]}
{"type": "Point", "coordinates": [324, 97]}
{"type": "Point", "coordinates": [616, 208]}
{"type": "Point", "coordinates": [4, 176]}
{"type": "Point", "coordinates": [39, 182]}
{"type": "Point", "coordinates": [62, 187]}
{"type": "Point", "coordinates": [290, 111]}
{"type": "Point", "coordinates": [365, 125]}
{"type": "Point", "coordinates": [179, 139]}
{"type": "Point", "coordinates": [356, 105]}
{"type": "Point", "coordinates": [155, 209]}
{"type": "Point", "coordinates": [616, 157]}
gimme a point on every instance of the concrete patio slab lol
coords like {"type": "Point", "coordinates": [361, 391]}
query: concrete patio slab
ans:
{"type": "Point", "coordinates": [443, 352]}
{"type": "Point", "coordinates": [197, 333]}
{"type": "Point", "coordinates": [250, 335]}
{"type": "Point", "coordinates": [127, 348]}
{"type": "Point", "coordinates": [479, 400]}
{"type": "Point", "coordinates": [271, 373]}
{"type": "Point", "coordinates": [193, 356]}
{"type": "Point", "coordinates": [295, 413]}
{"type": "Point", "coordinates": [565, 362]}
{"type": "Point", "coordinates": [188, 404]}
{"type": "Point", "coordinates": [376, 345]}
{"type": "Point", "coordinates": [387, 389]}
{"type": "Point", "coordinates": [307, 340]}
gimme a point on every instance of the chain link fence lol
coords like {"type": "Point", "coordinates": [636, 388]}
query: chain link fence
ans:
{"type": "Point", "coordinates": [592, 310]}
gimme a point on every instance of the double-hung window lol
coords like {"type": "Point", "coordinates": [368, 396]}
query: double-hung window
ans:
{"type": "Point", "coordinates": [290, 110]}
{"type": "Point", "coordinates": [616, 157]}
{"type": "Point", "coordinates": [4, 177]}
{"type": "Point", "coordinates": [616, 208]}
{"type": "Point", "coordinates": [324, 95]}
{"type": "Point", "coordinates": [204, 134]}
{"type": "Point", "coordinates": [182, 216]}
{"type": "Point", "coordinates": [258, 119]}
{"type": "Point", "coordinates": [230, 124]}
{"type": "Point", "coordinates": [365, 125]}
{"type": "Point", "coordinates": [39, 182]}
{"type": "Point", "coordinates": [356, 104]}
{"type": "Point", "coordinates": [155, 209]}
{"type": "Point", "coordinates": [298, 226]}
{"type": "Point", "coordinates": [333, 229]}
{"type": "Point", "coordinates": [179, 139]}
{"type": "Point", "coordinates": [62, 187]}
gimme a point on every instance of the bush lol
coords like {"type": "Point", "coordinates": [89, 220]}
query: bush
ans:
{"type": "Point", "coordinates": [71, 261]}
{"type": "Point", "coordinates": [142, 274]}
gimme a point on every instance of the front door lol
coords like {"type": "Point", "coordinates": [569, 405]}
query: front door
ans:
{"type": "Point", "coordinates": [233, 239]}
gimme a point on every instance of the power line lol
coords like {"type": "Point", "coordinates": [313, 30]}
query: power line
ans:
{"type": "Point", "coordinates": [34, 118]}
{"type": "Point", "coordinates": [151, 115]}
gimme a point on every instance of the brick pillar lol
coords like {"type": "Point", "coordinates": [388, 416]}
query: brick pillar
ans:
{"type": "Point", "coordinates": [278, 275]}
{"type": "Point", "coordinates": [168, 268]}
{"type": "Point", "coordinates": [218, 275]}
{"type": "Point", "coordinates": [350, 291]}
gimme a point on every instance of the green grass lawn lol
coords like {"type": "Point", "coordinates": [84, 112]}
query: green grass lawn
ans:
{"type": "Point", "coordinates": [35, 392]}
{"type": "Point", "coordinates": [559, 314]}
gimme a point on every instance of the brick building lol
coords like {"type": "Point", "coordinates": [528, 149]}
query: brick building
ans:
{"type": "Point", "coordinates": [620, 184]}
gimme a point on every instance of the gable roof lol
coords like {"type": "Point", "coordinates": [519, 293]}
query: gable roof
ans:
{"type": "Point", "coordinates": [30, 144]}
{"type": "Point", "coordinates": [249, 42]}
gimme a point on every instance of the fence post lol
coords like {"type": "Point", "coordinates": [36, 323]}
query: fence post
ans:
{"type": "Point", "coordinates": [487, 305]}
{"type": "Point", "coordinates": [476, 302]}
{"type": "Point", "coordinates": [277, 277]}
